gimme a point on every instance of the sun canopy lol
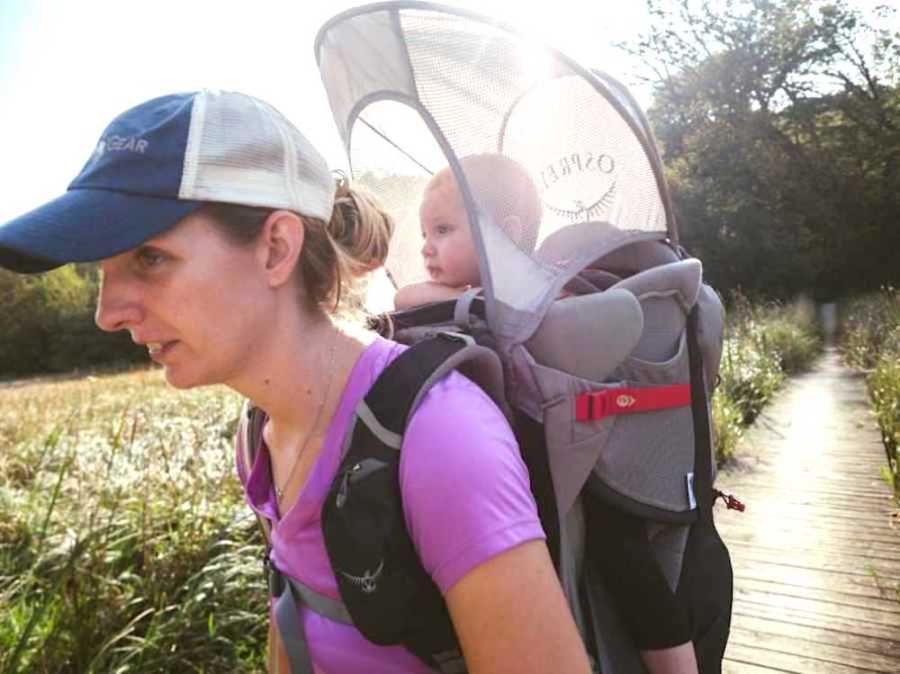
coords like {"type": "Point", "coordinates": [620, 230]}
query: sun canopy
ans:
{"type": "Point", "coordinates": [415, 87]}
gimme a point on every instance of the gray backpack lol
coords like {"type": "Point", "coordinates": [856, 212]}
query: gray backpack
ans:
{"type": "Point", "coordinates": [598, 339]}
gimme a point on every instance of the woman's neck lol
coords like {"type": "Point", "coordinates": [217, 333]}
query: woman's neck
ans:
{"type": "Point", "coordinates": [296, 366]}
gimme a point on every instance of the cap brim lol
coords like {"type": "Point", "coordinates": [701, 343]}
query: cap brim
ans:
{"type": "Point", "coordinates": [84, 225]}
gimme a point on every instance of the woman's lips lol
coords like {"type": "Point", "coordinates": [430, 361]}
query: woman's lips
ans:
{"type": "Point", "coordinates": [158, 350]}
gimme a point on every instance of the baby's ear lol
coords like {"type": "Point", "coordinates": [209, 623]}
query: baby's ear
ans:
{"type": "Point", "coordinates": [512, 225]}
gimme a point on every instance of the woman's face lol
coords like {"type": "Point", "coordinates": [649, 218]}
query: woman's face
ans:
{"type": "Point", "coordinates": [192, 297]}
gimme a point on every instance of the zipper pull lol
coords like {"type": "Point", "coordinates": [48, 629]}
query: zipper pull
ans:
{"type": "Point", "coordinates": [341, 497]}
{"type": "Point", "coordinates": [731, 503]}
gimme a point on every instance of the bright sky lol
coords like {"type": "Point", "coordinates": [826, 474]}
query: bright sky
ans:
{"type": "Point", "coordinates": [67, 68]}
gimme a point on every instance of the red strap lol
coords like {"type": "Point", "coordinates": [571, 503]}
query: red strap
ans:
{"type": "Point", "coordinates": [595, 405]}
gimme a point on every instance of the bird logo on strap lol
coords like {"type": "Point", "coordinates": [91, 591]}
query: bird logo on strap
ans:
{"type": "Point", "coordinates": [368, 581]}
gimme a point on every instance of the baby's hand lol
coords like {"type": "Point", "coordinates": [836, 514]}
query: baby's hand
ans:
{"type": "Point", "coordinates": [417, 294]}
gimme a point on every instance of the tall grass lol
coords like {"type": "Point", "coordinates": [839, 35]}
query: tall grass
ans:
{"type": "Point", "coordinates": [870, 338]}
{"type": "Point", "coordinates": [764, 343]}
{"type": "Point", "coordinates": [125, 545]}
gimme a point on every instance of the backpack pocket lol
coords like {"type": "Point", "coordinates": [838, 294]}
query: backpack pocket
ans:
{"type": "Point", "coordinates": [380, 578]}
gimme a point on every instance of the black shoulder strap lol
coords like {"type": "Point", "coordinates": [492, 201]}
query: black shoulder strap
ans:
{"type": "Point", "coordinates": [381, 580]}
{"type": "Point", "coordinates": [400, 386]}
{"type": "Point", "coordinates": [702, 486]}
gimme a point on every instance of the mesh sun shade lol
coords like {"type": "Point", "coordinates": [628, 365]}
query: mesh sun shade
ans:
{"type": "Point", "coordinates": [416, 87]}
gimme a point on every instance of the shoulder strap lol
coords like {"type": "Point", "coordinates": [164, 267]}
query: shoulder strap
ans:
{"type": "Point", "coordinates": [401, 386]}
{"type": "Point", "coordinates": [250, 426]}
{"type": "Point", "coordinates": [703, 454]}
{"type": "Point", "coordinates": [381, 580]}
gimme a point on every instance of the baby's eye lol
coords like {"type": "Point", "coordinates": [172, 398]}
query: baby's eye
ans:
{"type": "Point", "coordinates": [443, 229]}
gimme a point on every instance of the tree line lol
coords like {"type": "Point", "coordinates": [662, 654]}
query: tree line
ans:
{"type": "Point", "coordinates": [779, 124]}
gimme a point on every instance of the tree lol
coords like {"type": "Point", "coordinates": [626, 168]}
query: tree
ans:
{"type": "Point", "coordinates": [780, 128]}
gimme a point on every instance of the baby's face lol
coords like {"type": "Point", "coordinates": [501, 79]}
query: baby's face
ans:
{"type": "Point", "coordinates": [448, 249]}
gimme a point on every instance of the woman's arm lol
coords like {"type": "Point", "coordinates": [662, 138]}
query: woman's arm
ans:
{"type": "Point", "coordinates": [511, 616]}
{"type": "Point", "coordinates": [276, 655]}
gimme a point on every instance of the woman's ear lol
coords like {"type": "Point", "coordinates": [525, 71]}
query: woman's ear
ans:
{"type": "Point", "coordinates": [280, 244]}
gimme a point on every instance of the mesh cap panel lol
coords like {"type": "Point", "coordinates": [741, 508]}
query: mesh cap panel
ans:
{"type": "Point", "coordinates": [241, 150]}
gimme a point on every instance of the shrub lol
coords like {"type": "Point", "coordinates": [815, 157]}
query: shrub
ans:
{"type": "Point", "coordinates": [763, 344]}
{"type": "Point", "coordinates": [871, 342]}
{"type": "Point", "coordinates": [48, 324]}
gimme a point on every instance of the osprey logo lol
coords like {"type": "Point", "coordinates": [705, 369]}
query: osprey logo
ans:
{"type": "Point", "coordinates": [368, 581]}
{"type": "Point", "coordinates": [579, 186]}
{"type": "Point", "coordinates": [625, 400]}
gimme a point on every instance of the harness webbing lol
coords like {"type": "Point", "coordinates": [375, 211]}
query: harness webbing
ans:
{"type": "Point", "coordinates": [289, 595]}
{"type": "Point", "coordinates": [703, 454]}
{"type": "Point", "coordinates": [596, 405]}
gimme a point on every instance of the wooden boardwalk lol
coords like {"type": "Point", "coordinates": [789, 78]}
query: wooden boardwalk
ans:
{"type": "Point", "coordinates": [816, 558]}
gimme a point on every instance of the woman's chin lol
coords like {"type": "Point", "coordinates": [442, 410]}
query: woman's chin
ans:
{"type": "Point", "coordinates": [181, 379]}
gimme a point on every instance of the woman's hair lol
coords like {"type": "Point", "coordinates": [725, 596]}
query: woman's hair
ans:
{"type": "Point", "coordinates": [337, 256]}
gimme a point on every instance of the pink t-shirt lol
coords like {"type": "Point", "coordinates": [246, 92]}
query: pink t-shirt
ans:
{"type": "Point", "coordinates": [466, 497]}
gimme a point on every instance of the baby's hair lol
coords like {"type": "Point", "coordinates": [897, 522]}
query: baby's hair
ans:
{"type": "Point", "coordinates": [503, 187]}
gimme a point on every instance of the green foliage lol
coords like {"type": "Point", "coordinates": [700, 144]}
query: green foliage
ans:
{"type": "Point", "coordinates": [763, 344]}
{"type": "Point", "coordinates": [125, 543]}
{"type": "Point", "coordinates": [780, 127]}
{"type": "Point", "coordinates": [48, 324]}
{"type": "Point", "coordinates": [871, 341]}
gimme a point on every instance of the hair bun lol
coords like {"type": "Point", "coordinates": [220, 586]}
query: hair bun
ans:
{"type": "Point", "coordinates": [360, 229]}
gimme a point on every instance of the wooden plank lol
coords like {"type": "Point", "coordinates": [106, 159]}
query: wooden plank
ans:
{"type": "Point", "coordinates": [863, 650]}
{"type": "Point", "coordinates": [735, 667]}
{"type": "Point", "coordinates": [794, 535]}
{"type": "Point", "coordinates": [841, 562]}
{"type": "Point", "coordinates": [773, 660]}
{"type": "Point", "coordinates": [822, 651]}
{"type": "Point", "coordinates": [861, 585]}
{"type": "Point", "coordinates": [862, 628]}
{"type": "Point", "coordinates": [762, 593]}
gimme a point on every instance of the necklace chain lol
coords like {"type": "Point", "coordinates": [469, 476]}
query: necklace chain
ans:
{"type": "Point", "coordinates": [279, 491]}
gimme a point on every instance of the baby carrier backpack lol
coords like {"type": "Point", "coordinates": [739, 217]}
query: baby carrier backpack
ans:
{"type": "Point", "coordinates": [596, 336]}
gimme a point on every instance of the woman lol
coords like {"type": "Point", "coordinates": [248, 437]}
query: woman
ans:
{"type": "Point", "coordinates": [226, 251]}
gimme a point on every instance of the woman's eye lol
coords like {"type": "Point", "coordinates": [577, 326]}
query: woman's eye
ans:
{"type": "Point", "coordinates": [149, 258]}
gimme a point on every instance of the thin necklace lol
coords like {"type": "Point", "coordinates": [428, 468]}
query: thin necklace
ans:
{"type": "Point", "coordinates": [279, 491]}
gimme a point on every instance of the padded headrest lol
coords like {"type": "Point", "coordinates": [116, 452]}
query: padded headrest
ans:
{"type": "Point", "coordinates": [636, 256]}
{"type": "Point", "coordinates": [589, 335]}
{"type": "Point", "coordinates": [667, 294]}
{"type": "Point", "coordinates": [681, 277]}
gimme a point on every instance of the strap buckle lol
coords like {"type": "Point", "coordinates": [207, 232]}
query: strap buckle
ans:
{"type": "Point", "coordinates": [274, 579]}
{"type": "Point", "coordinates": [597, 405]}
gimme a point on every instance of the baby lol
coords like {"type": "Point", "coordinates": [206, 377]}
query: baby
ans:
{"type": "Point", "coordinates": [501, 187]}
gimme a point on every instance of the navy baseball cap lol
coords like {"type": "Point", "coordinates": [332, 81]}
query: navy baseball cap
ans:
{"type": "Point", "coordinates": [160, 161]}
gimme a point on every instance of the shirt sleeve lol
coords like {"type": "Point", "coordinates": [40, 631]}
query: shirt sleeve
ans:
{"type": "Point", "coordinates": [464, 484]}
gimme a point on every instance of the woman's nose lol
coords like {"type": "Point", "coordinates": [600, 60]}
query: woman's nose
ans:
{"type": "Point", "coordinates": [116, 309]}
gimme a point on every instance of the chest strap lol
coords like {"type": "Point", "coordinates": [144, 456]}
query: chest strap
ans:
{"type": "Point", "coordinates": [290, 594]}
